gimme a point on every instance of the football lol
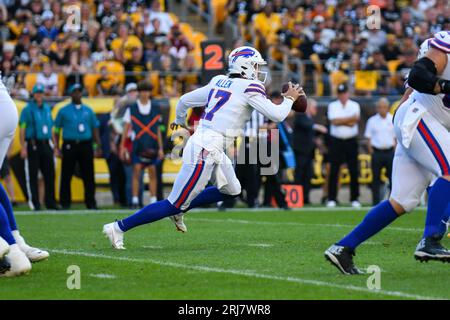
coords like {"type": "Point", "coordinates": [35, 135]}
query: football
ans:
{"type": "Point", "coordinates": [300, 104]}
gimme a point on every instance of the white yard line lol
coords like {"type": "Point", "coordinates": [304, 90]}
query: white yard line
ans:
{"type": "Point", "coordinates": [260, 245]}
{"type": "Point", "coordinates": [275, 223]}
{"type": "Point", "coordinates": [102, 276]}
{"type": "Point", "coordinates": [397, 294]}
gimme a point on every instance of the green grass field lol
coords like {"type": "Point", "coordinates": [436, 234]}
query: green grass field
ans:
{"type": "Point", "coordinates": [225, 255]}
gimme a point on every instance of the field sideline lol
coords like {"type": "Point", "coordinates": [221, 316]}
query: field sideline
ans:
{"type": "Point", "coordinates": [237, 254]}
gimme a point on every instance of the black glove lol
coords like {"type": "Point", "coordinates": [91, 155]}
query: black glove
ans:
{"type": "Point", "coordinates": [444, 85]}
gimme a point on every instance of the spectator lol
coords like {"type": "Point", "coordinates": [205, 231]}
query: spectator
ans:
{"type": "Point", "coordinates": [48, 79]}
{"type": "Point", "coordinates": [381, 144]}
{"type": "Point", "coordinates": [47, 29]}
{"type": "Point", "coordinates": [180, 46]}
{"type": "Point", "coordinates": [247, 169]}
{"type": "Point", "coordinates": [402, 70]}
{"type": "Point", "coordinates": [36, 125]}
{"type": "Point", "coordinates": [344, 115]}
{"type": "Point", "coordinates": [142, 118]}
{"type": "Point", "coordinates": [304, 145]}
{"type": "Point", "coordinates": [135, 68]}
{"type": "Point", "coordinates": [379, 64]}
{"type": "Point", "coordinates": [107, 84]}
{"type": "Point", "coordinates": [80, 134]}
{"type": "Point", "coordinates": [117, 135]}
{"type": "Point", "coordinates": [163, 17]}
{"type": "Point", "coordinates": [272, 185]}
{"type": "Point", "coordinates": [390, 49]}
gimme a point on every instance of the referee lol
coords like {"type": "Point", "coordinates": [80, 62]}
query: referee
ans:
{"type": "Point", "coordinates": [343, 115]}
{"type": "Point", "coordinates": [381, 145]}
{"type": "Point", "coordinates": [248, 172]}
{"type": "Point", "coordinates": [35, 138]}
{"type": "Point", "coordinates": [79, 130]}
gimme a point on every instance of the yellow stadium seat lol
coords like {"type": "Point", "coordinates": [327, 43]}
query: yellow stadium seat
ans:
{"type": "Point", "coordinates": [154, 80]}
{"type": "Point", "coordinates": [30, 81]}
{"type": "Point", "coordinates": [196, 39]}
{"type": "Point", "coordinates": [186, 29]}
{"type": "Point", "coordinates": [89, 82]}
{"type": "Point", "coordinates": [220, 10]}
{"type": "Point", "coordinates": [61, 83]}
{"type": "Point", "coordinates": [392, 66]}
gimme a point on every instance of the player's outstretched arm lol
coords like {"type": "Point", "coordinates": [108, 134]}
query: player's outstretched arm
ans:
{"type": "Point", "coordinates": [275, 112]}
{"type": "Point", "coordinates": [196, 98]}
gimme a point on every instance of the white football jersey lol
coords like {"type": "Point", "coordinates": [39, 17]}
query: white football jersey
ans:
{"type": "Point", "coordinates": [438, 105]}
{"type": "Point", "coordinates": [229, 103]}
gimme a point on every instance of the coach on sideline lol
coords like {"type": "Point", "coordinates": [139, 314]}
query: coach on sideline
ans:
{"type": "Point", "coordinates": [381, 145]}
{"type": "Point", "coordinates": [343, 115]}
{"type": "Point", "coordinates": [80, 127]}
{"type": "Point", "coordinates": [35, 138]}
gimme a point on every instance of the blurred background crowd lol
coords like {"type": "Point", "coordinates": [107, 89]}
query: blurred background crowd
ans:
{"type": "Point", "coordinates": [106, 48]}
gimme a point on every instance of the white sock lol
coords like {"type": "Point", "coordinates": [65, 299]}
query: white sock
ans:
{"type": "Point", "coordinates": [153, 199]}
{"type": "Point", "coordinates": [19, 239]}
{"type": "Point", "coordinates": [135, 200]}
{"type": "Point", "coordinates": [117, 228]}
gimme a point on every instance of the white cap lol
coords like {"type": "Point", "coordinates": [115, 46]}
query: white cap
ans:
{"type": "Point", "coordinates": [130, 87]}
{"type": "Point", "coordinates": [318, 19]}
{"type": "Point", "coordinates": [46, 15]}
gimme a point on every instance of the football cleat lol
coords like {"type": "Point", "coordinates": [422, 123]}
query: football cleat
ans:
{"type": "Point", "coordinates": [430, 248]}
{"type": "Point", "coordinates": [178, 220]}
{"type": "Point", "coordinates": [342, 258]}
{"type": "Point", "coordinates": [4, 248]}
{"type": "Point", "coordinates": [115, 236]}
{"type": "Point", "coordinates": [356, 204]}
{"type": "Point", "coordinates": [19, 263]}
{"type": "Point", "coordinates": [331, 204]}
{"type": "Point", "coordinates": [33, 254]}
{"type": "Point", "coordinates": [4, 265]}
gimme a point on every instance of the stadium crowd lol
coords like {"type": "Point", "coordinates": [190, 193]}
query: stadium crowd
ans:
{"type": "Point", "coordinates": [135, 51]}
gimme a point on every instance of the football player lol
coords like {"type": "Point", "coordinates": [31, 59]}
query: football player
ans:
{"type": "Point", "coordinates": [229, 100]}
{"type": "Point", "coordinates": [422, 155]}
{"type": "Point", "coordinates": [12, 245]}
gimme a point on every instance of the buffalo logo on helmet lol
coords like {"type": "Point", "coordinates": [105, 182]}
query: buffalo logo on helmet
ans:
{"type": "Point", "coordinates": [247, 53]}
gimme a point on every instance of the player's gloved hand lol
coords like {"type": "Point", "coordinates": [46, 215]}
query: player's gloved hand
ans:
{"type": "Point", "coordinates": [444, 86]}
{"type": "Point", "coordinates": [175, 126]}
{"type": "Point", "coordinates": [293, 92]}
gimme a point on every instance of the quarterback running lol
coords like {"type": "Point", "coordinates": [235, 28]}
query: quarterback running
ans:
{"type": "Point", "coordinates": [229, 100]}
{"type": "Point", "coordinates": [15, 255]}
{"type": "Point", "coordinates": [422, 156]}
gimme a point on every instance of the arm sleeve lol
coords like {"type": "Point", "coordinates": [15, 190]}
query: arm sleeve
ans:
{"type": "Point", "coordinates": [127, 116]}
{"type": "Point", "coordinates": [23, 118]}
{"type": "Point", "coordinates": [196, 98]}
{"type": "Point", "coordinates": [94, 121]}
{"type": "Point", "coordinates": [275, 112]}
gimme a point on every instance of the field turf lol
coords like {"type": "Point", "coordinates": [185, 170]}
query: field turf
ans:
{"type": "Point", "coordinates": [224, 255]}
